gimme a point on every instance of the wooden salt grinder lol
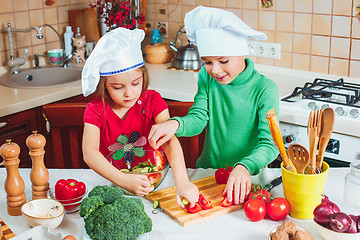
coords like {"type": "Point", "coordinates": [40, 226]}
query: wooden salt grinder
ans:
{"type": "Point", "coordinates": [14, 184]}
{"type": "Point", "coordinates": [39, 175]}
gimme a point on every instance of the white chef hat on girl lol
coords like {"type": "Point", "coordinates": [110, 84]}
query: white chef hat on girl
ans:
{"type": "Point", "coordinates": [217, 32]}
{"type": "Point", "coordinates": [118, 51]}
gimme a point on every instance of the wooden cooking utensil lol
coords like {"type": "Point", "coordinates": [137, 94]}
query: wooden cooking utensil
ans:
{"type": "Point", "coordinates": [313, 132]}
{"type": "Point", "coordinates": [276, 135]}
{"type": "Point", "coordinates": [327, 125]}
{"type": "Point", "coordinates": [299, 156]}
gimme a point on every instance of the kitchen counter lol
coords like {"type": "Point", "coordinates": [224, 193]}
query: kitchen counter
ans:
{"type": "Point", "coordinates": [233, 225]}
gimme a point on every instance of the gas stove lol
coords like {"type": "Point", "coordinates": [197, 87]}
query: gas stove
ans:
{"type": "Point", "coordinates": [343, 97]}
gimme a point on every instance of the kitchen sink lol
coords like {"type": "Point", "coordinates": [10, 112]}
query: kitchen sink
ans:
{"type": "Point", "coordinates": [42, 77]}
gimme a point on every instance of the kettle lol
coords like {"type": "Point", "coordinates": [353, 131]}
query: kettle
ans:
{"type": "Point", "coordinates": [186, 57]}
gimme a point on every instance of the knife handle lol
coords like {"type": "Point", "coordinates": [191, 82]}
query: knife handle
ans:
{"type": "Point", "coordinates": [277, 181]}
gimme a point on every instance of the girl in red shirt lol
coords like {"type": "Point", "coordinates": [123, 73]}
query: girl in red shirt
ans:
{"type": "Point", "coordinates": [119, 119]}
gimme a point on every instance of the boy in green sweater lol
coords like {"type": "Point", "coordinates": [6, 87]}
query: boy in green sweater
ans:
{"type": "Point", "coordinates": [231, 102]}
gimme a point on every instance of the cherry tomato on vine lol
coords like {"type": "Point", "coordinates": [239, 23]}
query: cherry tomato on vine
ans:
{"type": "Point", "coordinates": [255, 209]}
{"type": "Point", "coordinates": [278, 208]}
{"type": "Point", "coordinates": [258, 192]}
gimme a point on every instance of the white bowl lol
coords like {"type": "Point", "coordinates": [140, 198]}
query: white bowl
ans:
{"type": "Point", "coordinates": [329, 234]}
{"type": "Point", "coordinates": [45, 212]}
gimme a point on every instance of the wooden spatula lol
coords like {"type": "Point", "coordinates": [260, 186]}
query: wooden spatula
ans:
{"type": "Point", "coordinates": [327, 125]}
{"type": "Point", "coordinates": [299, 156]}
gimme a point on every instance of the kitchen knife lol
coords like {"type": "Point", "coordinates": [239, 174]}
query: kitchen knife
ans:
{"type": "Point", "coordinates": [277, 181]}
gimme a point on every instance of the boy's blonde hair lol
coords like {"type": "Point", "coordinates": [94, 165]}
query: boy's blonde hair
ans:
{"type": "Point", "coordinates": [103, 94]}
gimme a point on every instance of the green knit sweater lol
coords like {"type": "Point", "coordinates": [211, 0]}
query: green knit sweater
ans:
{"type": "Point", "coordinates": [234, 118]}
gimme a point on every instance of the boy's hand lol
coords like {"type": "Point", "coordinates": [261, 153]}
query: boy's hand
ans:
{"type": "Point", "coordinates": [162, 132]}
{"type": "Point", "coordinates": [238, 185]}
{"type": "Point", "coordinates": [186, 190]}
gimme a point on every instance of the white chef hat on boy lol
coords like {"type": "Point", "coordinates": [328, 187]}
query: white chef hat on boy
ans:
{"type": "Point", "coordinates": [217, 32]}
{"type": "Point", "coordinates": [118, 51]}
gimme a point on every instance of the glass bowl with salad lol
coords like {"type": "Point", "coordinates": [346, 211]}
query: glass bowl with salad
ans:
{"type": "Point", "coordinates": [152, 163]}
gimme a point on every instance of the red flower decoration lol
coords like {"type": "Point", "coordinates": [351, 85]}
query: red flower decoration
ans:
{"type": "Point", "coordinates": [116, 13]}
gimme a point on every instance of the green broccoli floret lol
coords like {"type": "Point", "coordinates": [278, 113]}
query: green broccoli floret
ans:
{"type": "Point", "coordinates": [121, 219]}
{"type": "Point", "coordinates": [89, 205]}
{"type": "Point", "coordinates": [108, 194]}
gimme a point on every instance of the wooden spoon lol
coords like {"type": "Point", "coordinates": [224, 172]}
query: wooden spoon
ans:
{"type": "Point", "coordinates": [327, 125]}
{"type": "Point", "coordinates": [299, 156]}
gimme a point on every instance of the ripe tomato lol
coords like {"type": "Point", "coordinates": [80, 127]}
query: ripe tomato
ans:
{"type": "Point", "coordinates": [69, 237]}
{"type": "Point", "coordinates": [255, 209]}
{"type": "Point", "coordinates": [222, 175]}
{"type": "Point", "coordinates": [258, 192]}
{"type": "Point", "coordinates": [278, 208]}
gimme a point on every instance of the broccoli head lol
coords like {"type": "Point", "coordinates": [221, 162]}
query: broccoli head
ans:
{"type": "Point", "coordinates": [108, 194]}
{"type": "Point", "coordinates": [121, 218]}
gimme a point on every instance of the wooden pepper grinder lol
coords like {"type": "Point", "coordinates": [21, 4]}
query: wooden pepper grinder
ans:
{"type": "Point", "coordinates": [39, 175]}
{"type": "Point", "coordinates": [14, 184]}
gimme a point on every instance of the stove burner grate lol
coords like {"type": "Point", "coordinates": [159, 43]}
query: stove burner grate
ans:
{"type": "Point", "coordinates": [331, 91]}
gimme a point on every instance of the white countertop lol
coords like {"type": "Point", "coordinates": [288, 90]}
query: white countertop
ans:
{"type": "Point", "coordinates": [182, 86]}
{"type": "Point", "coordinates": [233, 225]}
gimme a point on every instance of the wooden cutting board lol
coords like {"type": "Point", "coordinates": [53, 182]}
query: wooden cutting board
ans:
{"type": "Point", "coordinates": [208, 187]}
{"type": "Point", "coordinates": [87, 21]}
{"type": "Point", "coordinates": [6, 231]}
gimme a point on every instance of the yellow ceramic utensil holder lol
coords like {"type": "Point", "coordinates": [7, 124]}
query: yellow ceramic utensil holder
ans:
{"type": "Point", "coordinates": [303, 191]}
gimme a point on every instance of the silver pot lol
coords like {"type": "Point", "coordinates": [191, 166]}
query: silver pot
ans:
{"type": "Point", "coordinates": [186, 57]}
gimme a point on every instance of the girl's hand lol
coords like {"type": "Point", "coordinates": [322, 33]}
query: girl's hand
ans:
{"type": "Point", "coordinates": [162, 132]}
{"type": "Point", "coordinates": [238, 185]}
{"type": "Point", "coordinates": [138, 184]}
{"type": "Point", "coordinates": [186, 190]}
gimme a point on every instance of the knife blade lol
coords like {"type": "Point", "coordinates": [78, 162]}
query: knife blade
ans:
{"type": "Point", "coordinates": [273, 183]}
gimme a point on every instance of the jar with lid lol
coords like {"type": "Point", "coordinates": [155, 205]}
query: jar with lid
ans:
{"type": "Point", "coordinates": [351, 203]}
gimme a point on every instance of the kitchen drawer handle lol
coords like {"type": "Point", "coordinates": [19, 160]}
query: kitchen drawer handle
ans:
{"type": "Point", "coordinates": [47, 123]}
{"type": "Point", "coordinates": [3, 124]}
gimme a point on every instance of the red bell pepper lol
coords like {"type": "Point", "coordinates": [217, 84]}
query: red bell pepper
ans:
{"type": "Point", "coordinates": [69, 191]}
{"type": "Point", "coordinates": [193, 209]}
{"type": "Point", "coordinates": [226, 203]}
{"type": "Point", "coordinates": [204, 203]}
{"type": "Point", "coordinates": [222, 175]}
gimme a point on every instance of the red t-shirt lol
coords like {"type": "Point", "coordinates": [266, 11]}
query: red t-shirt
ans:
{"type": "Point", "coordinates": [124, 140]}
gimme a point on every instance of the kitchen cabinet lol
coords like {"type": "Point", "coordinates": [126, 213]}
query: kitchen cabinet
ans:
{"type": "Point", "coordinates": [18, 127]}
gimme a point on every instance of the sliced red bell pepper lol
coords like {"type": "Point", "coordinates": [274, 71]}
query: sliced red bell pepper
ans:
{"type": "Point", "coordinates": [194, 209]}
{"type": "Point", "coordinates": [69, 191]}
{"type": "Point", "coordinates": [204, 203]}
{"type": "Point", "coordinates": [226, 203]}
{"type": "Point", "coordinates": [154, 177]}
{"type": "Point", "coordinates": [159, 160]}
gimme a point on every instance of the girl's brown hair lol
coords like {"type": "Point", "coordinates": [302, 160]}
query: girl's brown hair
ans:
{"type": "Point", "coordinates": [103, 94]}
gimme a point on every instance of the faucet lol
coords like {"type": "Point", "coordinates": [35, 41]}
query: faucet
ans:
{"type": "Point", "coordinates": [15, 63]}
{"type": "Point", "coordinates": [65, 59]}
